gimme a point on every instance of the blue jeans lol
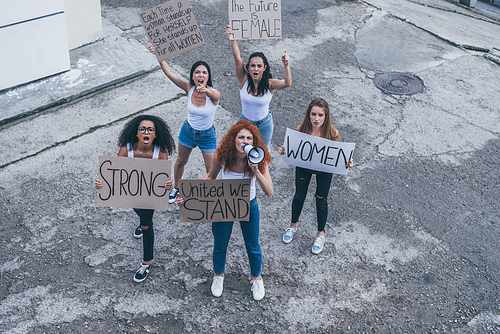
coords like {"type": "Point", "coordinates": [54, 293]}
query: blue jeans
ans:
{"type": "Point", "coordinates": [266, 127]}
{"type": "Point", "coordinates": [250, 230]}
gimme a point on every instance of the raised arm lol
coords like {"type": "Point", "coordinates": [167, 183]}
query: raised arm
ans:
{"type": "Point", "coordinates": [241, 74]}
{"type": "Point", "coordinates": [178, 81]}
{"type": "Point", "coordinates": [287, 82]}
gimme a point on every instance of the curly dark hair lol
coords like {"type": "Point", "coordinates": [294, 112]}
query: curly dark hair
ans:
{"type": "Point", "coordinates": [263, 85]}
{"type": "Point", "coordinates": [195, 65]}
{"type": "Point", "coordinates": [226, 152]}
{"type": "Point", "coordinates": [163, 134]}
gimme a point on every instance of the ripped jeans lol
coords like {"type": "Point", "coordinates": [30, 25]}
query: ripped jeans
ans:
{"type": "Point", "coordinates": [323, 182]}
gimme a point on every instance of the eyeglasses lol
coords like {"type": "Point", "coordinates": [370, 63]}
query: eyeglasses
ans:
{"type": "Point", "coordinates": [143, 129]}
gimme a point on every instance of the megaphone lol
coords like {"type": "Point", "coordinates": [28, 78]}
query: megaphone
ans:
{"type": "Point", "coordinates": [255, 153]}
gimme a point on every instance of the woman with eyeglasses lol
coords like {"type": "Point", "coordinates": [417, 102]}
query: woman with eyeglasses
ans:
{"type": "Point", "coordinates": [147, 137]}
{"type": "Point", "coordinates": [257, 88]}
{"type": "Point", "coordinates": [198, 129]}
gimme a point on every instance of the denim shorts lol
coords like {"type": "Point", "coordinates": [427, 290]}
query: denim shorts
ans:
{"type": "Point", "coordinates": [206, 140]}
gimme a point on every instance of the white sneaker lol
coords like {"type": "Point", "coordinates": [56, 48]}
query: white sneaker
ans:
{"type": "Point", "coordinates": [319, 242]}
{"type": "Point", "coordinates": [217, 286]}
{"type": "Point", "coordinates": [258, 289]}
{"type": "Point", "coordinates": [289, 233]}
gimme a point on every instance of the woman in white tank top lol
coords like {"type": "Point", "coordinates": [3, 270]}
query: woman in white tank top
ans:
{"type": "Point", "coordinates": [198, 129]}
{"type": "Point", "coordinates": [231, 162]}
{"type": "Point", "coordinates": [257, 87]}
{"type": "Point", "coordinates": [146, 137]}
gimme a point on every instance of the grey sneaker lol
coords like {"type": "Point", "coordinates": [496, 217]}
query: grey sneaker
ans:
{"type": "Point", "coordinates": [258, 289]}
{"type": "Point", "coordinates": [288, 236]}
{"type": "Point", "coordinates": [217, 286]}
{"type": "Point", "coordinates": [319, 242]}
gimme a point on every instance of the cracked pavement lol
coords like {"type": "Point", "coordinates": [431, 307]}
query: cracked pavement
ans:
{"type": "Point", "coordinates": [412, 238]}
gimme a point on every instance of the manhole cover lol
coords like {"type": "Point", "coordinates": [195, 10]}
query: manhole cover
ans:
{"type": "Point", "coordinates": [398, 83]}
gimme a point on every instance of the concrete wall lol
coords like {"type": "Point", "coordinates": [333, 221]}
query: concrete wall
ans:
{"type": "Point", "coordinates": [36, 36]}
{"type": "Point", "coordinates": [84, 23]}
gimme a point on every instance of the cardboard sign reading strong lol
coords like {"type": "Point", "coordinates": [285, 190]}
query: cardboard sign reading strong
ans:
{"type": "Point", "coordinates": [133, 183]}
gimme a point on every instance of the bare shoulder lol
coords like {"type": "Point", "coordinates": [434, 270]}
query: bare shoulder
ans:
{"type": "Point", "coordinates": [123, 152]}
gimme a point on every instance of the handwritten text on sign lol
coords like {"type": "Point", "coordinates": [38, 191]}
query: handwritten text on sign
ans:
{"type": "Point", "coordinates": [316, 153]}
{"type": "Point", "coordinates": [133, 182]}
{"type": "Point", "coordinates": [255, 19]}
{"type": "Point", "coordinates": [215, 200]}
{"type": "Point", "coordinates": [171, 28]}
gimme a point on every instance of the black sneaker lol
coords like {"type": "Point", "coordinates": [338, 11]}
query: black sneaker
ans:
{"type": "Point", "coordinates": [138, 232]}
{"type": "Point", "coordinates": [142, 273]}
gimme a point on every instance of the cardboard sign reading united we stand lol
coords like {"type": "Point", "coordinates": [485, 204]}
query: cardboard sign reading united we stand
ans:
{"type": "Point", "coordinates": [215, 200]}
{"type": "Point", "coordinates": [133, 182]}
{"type": "Point", "coordinates": [316, 153]}
{"type": "Point", "coordinates": [171, 28]}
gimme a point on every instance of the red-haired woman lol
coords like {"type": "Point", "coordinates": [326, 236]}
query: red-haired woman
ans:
{"type": "Point", "coordinates": [232, 163]}
{"type": "Point", "coordinates": [317, 122]}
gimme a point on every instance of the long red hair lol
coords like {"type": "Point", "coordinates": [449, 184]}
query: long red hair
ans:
{"type": "Point", "coordinates": [226, 152]}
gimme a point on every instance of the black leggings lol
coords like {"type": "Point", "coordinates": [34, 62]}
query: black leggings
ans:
{"type": "Point", "coordinates": [148, 236]}
{"type": "Point", "coordinates": [323, 181]}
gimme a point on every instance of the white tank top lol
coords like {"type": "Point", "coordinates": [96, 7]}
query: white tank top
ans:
{"type": "Point", "coordinates": [229, 175]}
{"type": "Point", "coordinates": [130, 148]}
{"type": "Point", "coordinates": [254, 108]}
{"type": "Point", "coordinates": [200, 118]}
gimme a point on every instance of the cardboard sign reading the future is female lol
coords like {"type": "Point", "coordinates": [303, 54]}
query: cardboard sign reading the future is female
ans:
{"type": "Point", "coordinates": [171, 28]}
{"type": "Point", "coordinates": [215, 200]}
{"type": "Point", "coordinates": [133, 182]}
{"type": "Point", "coordinates": [255, 19]}
{"type": "Point", "coordinates": [316, 153]}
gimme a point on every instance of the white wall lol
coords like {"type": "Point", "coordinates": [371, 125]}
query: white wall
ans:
{"type": "Point", "coordinates": [33, 40]}
{"type": "Point", "coordinates": [36, 36]}
{"type": "Point", "coordinates": [84, 22]}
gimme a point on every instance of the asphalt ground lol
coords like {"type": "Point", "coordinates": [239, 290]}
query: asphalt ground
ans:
{"type": "Point", "coordinates": [412, 235]}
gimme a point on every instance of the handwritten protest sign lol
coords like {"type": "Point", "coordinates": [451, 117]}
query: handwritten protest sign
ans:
{"type": "Point", "coordinates": [316, 153]}
{"type": "Point", "coordinates": [133, 183]}
{"type": "Point", "coordinates": [255, 19]}
{"type": "Point", "coordinates": [215, 200]}
{"type": "Point", "coordinates": [171, 28]}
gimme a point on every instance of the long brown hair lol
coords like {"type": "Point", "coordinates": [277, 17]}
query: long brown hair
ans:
{"type": "Point", "coordinates": [328, 131]}
{"type": "Point", "coordinates": [226, 152]}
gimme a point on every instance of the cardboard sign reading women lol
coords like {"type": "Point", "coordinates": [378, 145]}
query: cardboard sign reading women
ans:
{"type": "Point", "coordinates": [171, 28]}
{"type": "Point", "coordinates": [215, 200]}
{"type": "Point", "coordinates": [316, 153]}
{"type": "Point", "coordinates": [255, 19]}
{"type": "Point", "coordinates": [133, 183]}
